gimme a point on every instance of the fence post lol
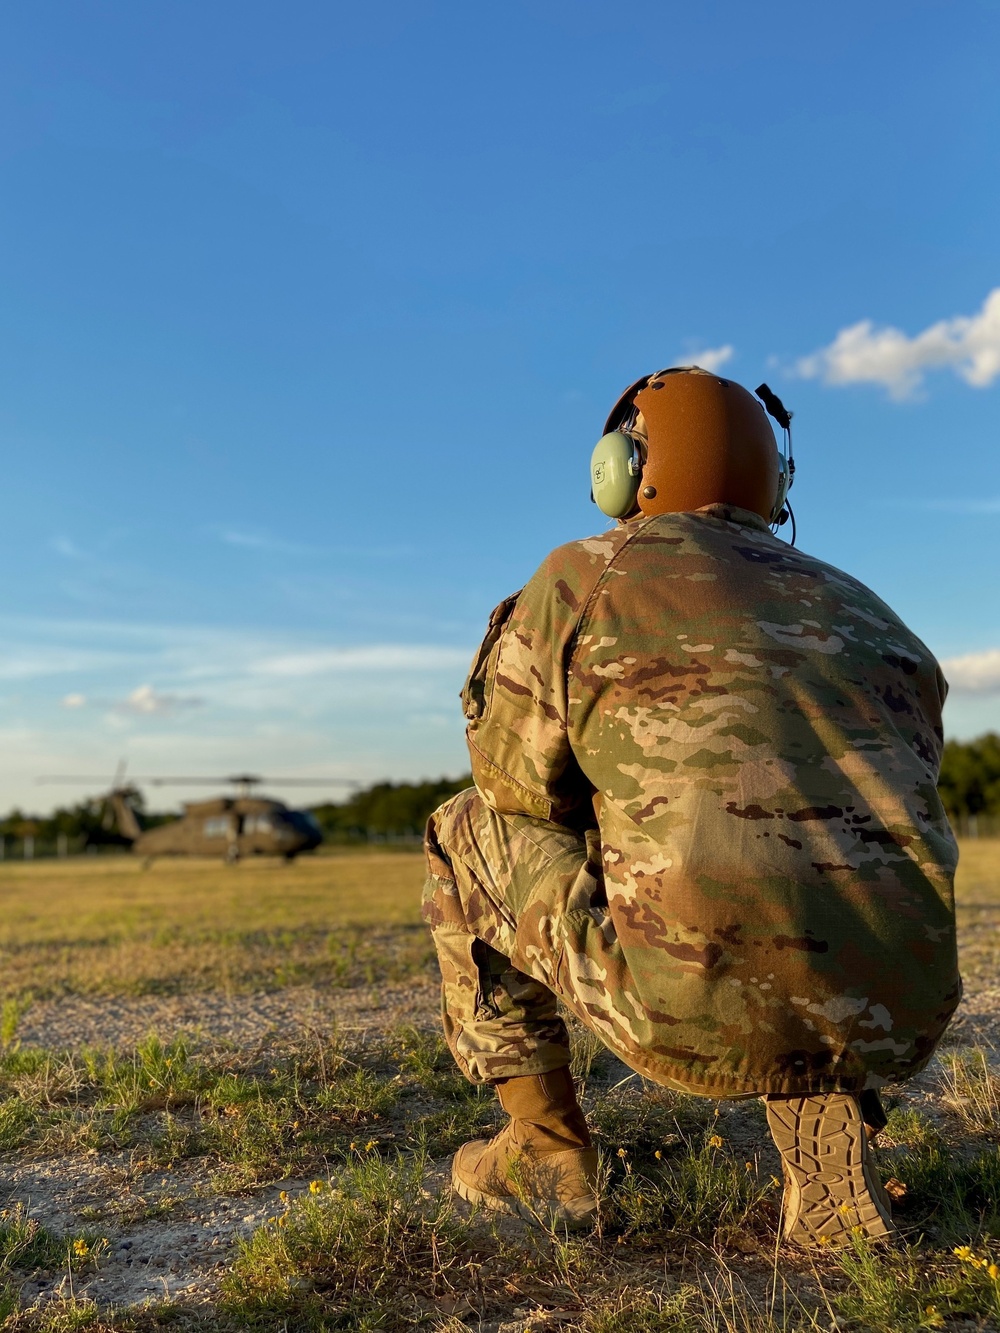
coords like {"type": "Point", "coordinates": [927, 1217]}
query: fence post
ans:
{"type": "Point", "coordinates": [61, 844]}
{"type": "Point", "coordinates": [29, 846]}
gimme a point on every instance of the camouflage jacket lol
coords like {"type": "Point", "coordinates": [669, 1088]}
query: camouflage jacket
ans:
{"type": "Point", "coordinates": [764, 735]}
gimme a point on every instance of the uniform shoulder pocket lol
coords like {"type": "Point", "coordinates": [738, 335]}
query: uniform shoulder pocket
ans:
{"type": "Point", "coordinates": [477, 687]}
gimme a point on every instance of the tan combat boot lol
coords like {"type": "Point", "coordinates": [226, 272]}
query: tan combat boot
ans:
{"type": "Point", "coordinates": [831, 1185]}
{"type": "Point", "coordinates": [541, 1165]}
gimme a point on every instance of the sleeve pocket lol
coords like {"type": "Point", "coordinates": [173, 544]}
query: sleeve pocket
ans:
{"type": "Point", "coordinates": [476, 692]}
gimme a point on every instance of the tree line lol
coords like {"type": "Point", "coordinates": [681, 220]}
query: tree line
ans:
{"type": "Point", "coordinates": [970, 779]}
{"type": "Point", "coordinates": [397, 811]}
{"type": "Point", "coordinates": [387, 811]}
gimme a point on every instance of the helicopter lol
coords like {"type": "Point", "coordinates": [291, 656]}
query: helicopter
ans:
{"type": "Point", "coordinates": [231, 827]}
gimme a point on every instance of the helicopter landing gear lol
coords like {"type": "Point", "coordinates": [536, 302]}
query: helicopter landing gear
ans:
{"type": "Point", "coordinates": [232, 854]}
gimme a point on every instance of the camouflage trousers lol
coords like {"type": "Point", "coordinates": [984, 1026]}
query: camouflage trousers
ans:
{"type": "Point", "coordinates": [500, 896]}
{"type": "Point", "coordinates": [507, 897]}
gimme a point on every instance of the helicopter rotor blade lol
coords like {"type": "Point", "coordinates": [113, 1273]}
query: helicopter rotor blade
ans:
{"type": "Point", "coordinates": [250, 781]}
{"type": "Point", "coordinates": [246, 780]}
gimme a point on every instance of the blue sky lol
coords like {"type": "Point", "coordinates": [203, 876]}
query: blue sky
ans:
{"type": "Point", "coordinates": [312, 313]}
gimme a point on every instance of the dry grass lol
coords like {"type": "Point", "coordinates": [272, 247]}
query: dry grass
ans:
{"type": "Point", "coordinates": [977, 894]}
{"type": "Point", "coordinates": [107, 926]}
{"type": "Point", "coordinates": [686, 1239]}
{"type": "Point", "coordinates": [88, 899]}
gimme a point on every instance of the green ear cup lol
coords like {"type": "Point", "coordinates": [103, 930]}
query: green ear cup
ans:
{"type": "Point", "coordinates": [614, 474]}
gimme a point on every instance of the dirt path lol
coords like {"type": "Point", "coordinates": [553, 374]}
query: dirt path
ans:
{"type": "Point", "coordinates": [241, 1020]}
{"type": "Point", "coordinates": [181, 1231]}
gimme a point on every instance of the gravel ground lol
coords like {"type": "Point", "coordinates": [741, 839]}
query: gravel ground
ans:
{"type": "Point", "coordinates": [180, 1252]}
{"type": "Point", "coordinates": [240, 1020]}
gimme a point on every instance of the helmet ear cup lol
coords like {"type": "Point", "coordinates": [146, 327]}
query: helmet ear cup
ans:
{"type": "Point", "coordinates": [615, 473]}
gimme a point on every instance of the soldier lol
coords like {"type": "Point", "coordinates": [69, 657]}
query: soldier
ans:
{"type": "Point", "coordinates": [705, 819]}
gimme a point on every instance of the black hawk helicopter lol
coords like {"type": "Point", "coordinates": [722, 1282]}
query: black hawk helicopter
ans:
{"type": "Point", "coordinates": [230, 827]}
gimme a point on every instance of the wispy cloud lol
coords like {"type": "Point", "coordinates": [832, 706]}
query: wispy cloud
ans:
{"type": "Point", "coordinates": [376, 657]}
{"type": "Point", "coordinates": [99, 662]}
{"type": "Point", "coordinates": [144, 701]}
{"type": "Point", "coordinates": [709, 358]}
{"type": "Point", "coordinates": [974, 673]}
{"type": "Point", "coordinates": [147, 701]}
{"type": "Point", "coordinates": [188, 698]}
{"type": "Point", "coordinates": [865, 354]}
{"type": "Point", "coordinates": [254, 541]}
{"type": "Point", "coordinates": [65, 546]}
{"type": "Point", "coordinates": [269, 545]}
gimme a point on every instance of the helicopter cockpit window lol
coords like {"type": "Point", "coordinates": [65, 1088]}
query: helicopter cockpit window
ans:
{"type": "Point", "coordinates": [257, 824]}
{"type": "Point", "coordinates": [217, 827]}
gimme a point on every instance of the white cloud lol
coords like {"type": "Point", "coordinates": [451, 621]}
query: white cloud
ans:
{"type": "Point", "coordinates": [863, 354]}
{"type": "Point", "coordinates": [273, 702]}
{"type": "Point", "coordinates": [974, 673]}
{"type": "Point", "coordinates": [709, 358]}
{"type": "Point", "coordinates": [377, 657]}
{"type": "Point", "coordinates": [145, 700]}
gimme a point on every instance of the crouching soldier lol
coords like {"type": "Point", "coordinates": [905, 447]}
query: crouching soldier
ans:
{"type": "Point", "coordinates": [704, 818]}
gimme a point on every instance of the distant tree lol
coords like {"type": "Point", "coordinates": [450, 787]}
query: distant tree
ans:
{"type": "Point", "coordinates": [970, 776]}
{"type": "Point", "coordinates": [86, 824]}
{"type": "Point", "coordinates": [386, 810]}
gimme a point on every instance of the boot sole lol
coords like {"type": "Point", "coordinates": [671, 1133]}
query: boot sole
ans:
{"type": "Point", "coordinates": [577, 1215]}
{"type": "Point", "coordinates": [831, 1185]}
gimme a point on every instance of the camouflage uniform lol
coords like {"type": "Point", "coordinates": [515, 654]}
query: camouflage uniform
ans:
{"type": "Point", "coordinates": [767, 903]}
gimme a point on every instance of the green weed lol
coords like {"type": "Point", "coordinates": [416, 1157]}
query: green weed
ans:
{"type": "Point", "coordinates": [11, 1013]}
{"type": "Point", "coordinates": [722, 1303]}
{"type": "Point", "coordinates": [367, 1250]}
{"type": "Point", "coordinates": [15, 1119]}
{"type": "Point", "coordinates": [702, 1191]}
{"type": "Point", "coordinates": [904, 1292]}
{"type": "Point", "coordinates": [645, 1120]}
{"type": "Point", "coordinates": [28, 1247]}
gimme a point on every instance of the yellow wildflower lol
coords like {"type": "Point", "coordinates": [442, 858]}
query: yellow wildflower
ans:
{"type": "Point", "coordinates": [81, 1249]}
{"type": "Point", "coordinates": [715, 1141]}
{"type": "Point", "coordinates": [962, 1252]}
{"type": "Point", "coordinates": [993, 1272]}
{"type": "Point", "coordinates": [622, 1152]}
{"type": "Point", "coordinates": [315, 1186]}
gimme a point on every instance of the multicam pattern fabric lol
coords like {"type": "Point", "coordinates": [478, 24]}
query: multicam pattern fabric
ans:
{"type": "Point", "coordinates": [497, 884]}
{"type": "Point", "coordinates": [774, 911]}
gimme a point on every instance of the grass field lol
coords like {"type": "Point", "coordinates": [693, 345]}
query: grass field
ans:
{"type": "Point", "coordinates": [290, 1173]}
{"type": "Point", "coordinates": [107, 926]}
